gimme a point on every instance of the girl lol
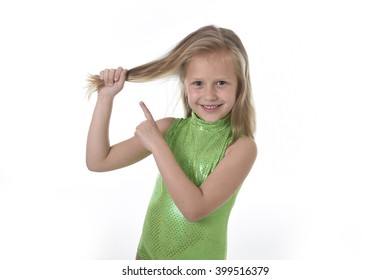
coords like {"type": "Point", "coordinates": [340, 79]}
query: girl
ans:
{"type": "Point", "coordinates": [202, 159]}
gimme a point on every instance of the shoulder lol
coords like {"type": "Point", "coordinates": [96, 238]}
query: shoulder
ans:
{"type": "Point", "coordinates": [245, 146]}
{"type": "Point", "coordinates": [164, 124]}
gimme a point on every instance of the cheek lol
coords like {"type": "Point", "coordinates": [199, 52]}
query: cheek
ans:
{"type": "Point", "coordinates": [188, 90]}
{"type": "Point", "coordinates": [192, 96]}
{"type": "Point", "coordinates": [231, 95]}
{"type": "Point", "coordinates": [191, 100]}
{"type": "Point", "coordinates": [235, 96]}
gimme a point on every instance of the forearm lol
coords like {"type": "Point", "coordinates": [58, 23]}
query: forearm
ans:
{"type": "Point", "coordinates": [98, 144]}
{"type": "Point", "coordinates": [186, 195]}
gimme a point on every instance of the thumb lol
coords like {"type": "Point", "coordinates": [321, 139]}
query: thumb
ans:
{"type": "Point", "coordinates": [123, 75]}
{"type": "Point", "coordinates": [146, 111]}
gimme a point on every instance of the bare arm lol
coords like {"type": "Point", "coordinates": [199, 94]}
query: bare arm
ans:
{"type": "Point", "coordinates": [100, 155]}
{"type": "Point", "coordinates": [195, 202]}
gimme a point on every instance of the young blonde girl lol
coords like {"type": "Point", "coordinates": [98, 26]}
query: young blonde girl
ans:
{"type": "Point", "coordinates": [202, 159]}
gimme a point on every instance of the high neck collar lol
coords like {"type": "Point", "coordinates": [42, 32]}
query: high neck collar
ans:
{"type": "Point", "coordinates": [203, 125]}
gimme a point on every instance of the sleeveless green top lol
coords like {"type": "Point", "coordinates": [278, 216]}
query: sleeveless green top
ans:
{"type": "Point", "coordinates": [198, 147]}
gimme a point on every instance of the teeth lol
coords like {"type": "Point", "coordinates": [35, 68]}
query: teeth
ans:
{"type": "Point", "coordinates": [210, 107]}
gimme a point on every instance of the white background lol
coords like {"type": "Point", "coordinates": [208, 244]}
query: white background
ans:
{"type": "Point", "coordinates": [320, 73]}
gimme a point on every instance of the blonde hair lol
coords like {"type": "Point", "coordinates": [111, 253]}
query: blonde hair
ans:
{"type": "Point", "coordinates": [206, 39]}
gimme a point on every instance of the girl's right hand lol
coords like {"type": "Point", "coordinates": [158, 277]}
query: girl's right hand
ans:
{"type": "Point", "coordinates": [114, 80]}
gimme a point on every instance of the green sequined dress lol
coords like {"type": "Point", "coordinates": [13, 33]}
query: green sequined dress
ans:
{"type": "Point", "coordinates": [198, 147]}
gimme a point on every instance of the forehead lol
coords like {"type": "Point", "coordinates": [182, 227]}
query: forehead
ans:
{"type": "Point", "coordinates": [219, 63]}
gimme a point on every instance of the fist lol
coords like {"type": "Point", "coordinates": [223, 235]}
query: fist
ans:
{"type": "Point", "coordinates": [114, 80]}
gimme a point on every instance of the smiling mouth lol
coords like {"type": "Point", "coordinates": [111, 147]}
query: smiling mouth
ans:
{"type": "Point", "coordinates": [210, 107]}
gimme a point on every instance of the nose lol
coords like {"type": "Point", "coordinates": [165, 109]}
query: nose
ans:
{"type": "Point", "coordinates": [210, 93]}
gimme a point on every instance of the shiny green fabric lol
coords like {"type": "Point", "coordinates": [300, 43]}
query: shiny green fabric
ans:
{"type": "Point", "coordinates": [198, 146]}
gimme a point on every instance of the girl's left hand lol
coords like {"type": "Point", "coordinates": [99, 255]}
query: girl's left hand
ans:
{"type": "Point", "coordinates": [148, 131]}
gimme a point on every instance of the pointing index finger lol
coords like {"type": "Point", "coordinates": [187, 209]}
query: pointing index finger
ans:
{"type": "Point", "coordinates": [146, 111]}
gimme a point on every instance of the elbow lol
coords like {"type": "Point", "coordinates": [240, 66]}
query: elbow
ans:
{"type": "Point", "coordinates": [93, 167]}
{"type": "Point", "coordinates": [194, 216]}
{"type": "Point", "coordinates": [195, 210]}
